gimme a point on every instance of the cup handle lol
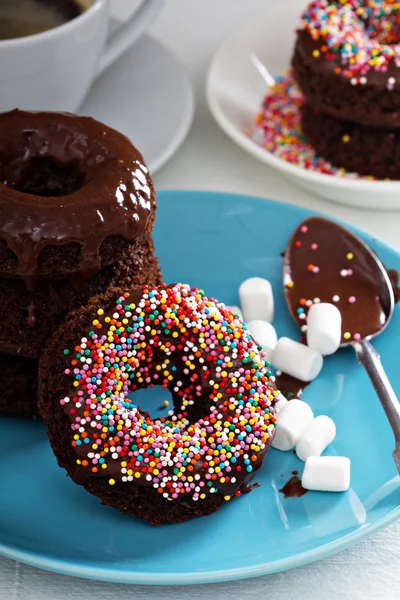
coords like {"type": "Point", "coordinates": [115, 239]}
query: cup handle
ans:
{"type": "Point", "coordinates": [129, 32]}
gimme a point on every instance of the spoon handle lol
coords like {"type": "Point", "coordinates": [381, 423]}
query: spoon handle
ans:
{"type": "Point", "coordinates": [368, 357]}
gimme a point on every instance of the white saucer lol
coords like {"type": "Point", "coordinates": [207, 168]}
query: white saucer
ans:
{"type": "Point", "coordinates": [147, 96]}
{"type": "Point", "coordinates": [235, 90]}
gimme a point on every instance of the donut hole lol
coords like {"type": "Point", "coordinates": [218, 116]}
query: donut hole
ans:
{"type": "Point", "coordinates": [156, 401]}
{"type": "Point", "coordinates": [43, 176]}
{"type": "Point", "coordinates": [186, 405]}
{"type": "Point", "coordinates": [51, 161]}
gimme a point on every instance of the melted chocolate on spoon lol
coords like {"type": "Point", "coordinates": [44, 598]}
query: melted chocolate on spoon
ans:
{"type": "Point", "coordinates": [325, 263]}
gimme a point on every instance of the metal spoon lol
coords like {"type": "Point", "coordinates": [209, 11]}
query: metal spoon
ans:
{"type": "Point", "coordinates": [369, 358]}
{"type": "Point", "coordinates": [366, 354]}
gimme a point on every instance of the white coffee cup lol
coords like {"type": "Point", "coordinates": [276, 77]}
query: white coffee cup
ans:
{"type": "Point", "coordinates": [54, 70]}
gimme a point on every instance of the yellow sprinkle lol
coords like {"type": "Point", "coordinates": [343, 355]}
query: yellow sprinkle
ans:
{"type": "Point", "coordinates": [347, 335]}
{"type": "Point", "coordinates": [346, 139]}
{"type": "Point", "coordinates": [111, 481]}
{"type": "Point", "coordinates": [165, 403]}
{"type": "Point", "coordinates": [137, 475]}
{"type": "Point", "coordinates": [290, 284]}
{"type": "Point", "coordinates": [100, 311]}
{"type": "Point", "coordinates": [226, 498]}
{"type": "Point", "coordinates": [350, 256]}
{"type": "Point", "coordinates": [316, 53]}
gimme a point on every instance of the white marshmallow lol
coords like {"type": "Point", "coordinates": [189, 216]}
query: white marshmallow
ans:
{"type": "Point", "coordinates": [324, 328]}
{"type": "Point", "coordinates": [257, 300]}
{"type": "Point", "coordinates": [281, 403]}
{"type": "Point", "coordinates": [296, 359]}
{"type": "Point", "coordinates": [236, 310]}
{"type": "Point", "coordinates": [292, 421]}
{"type": "Point", "coordinates": [316, 437]}
{"type": "Point", "coordinates": [326, 474]}
{"type": "Point", "coordinates": [265, 335]}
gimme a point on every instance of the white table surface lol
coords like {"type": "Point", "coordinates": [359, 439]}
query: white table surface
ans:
{"type": "Point", "coordinates": [193, 30]}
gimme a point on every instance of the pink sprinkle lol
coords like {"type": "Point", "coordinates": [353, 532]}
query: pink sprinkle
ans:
{"type": "Point", "coordinates": [349, 272]}
{"type": "Point", "coordinates": [314, 246]}
{"type": "Point", "coordinates": [315, 270]}
{"type": "Point", "coordinates": [352, 299]}
{"type": "Point", "coordinates": [303, 228]}
{"type": "Point", "coordinates": [357, 337]}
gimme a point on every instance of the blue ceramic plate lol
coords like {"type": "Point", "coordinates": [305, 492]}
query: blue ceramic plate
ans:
{"type": "Point", "coordinates": [214, 241]}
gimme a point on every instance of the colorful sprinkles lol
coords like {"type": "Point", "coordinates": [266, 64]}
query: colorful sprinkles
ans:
{"type": "Point", "coordinates": [359, 35]}
{"type": "Point", "coordinates": [180, 339]}
{"type": "Point", "coordinates": [278, 130]}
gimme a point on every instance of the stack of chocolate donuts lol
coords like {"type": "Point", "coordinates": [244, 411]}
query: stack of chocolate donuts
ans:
{"type": "Point", "coordinates": [347, 63]}
{"type": "Point", "coordinates": [77, 208]}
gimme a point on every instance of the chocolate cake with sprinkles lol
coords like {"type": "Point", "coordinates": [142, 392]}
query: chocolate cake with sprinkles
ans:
{"type": "Point", "coordinates": [346, 62]}
{"type": "Point", "coordinates": [77, 208]}
{"type": "Point", "coordinates": [168, 469]}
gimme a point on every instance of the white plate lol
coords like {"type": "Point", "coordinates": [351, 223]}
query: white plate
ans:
{"type": "Point", "coordinates": [235, 90]}
{"type": "Point", "coordinates": [147, 96]}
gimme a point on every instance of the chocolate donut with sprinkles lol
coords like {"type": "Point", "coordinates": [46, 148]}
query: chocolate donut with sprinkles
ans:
{"type": "Point", "coordinates": [347, 60]}
{"type": "Point", "coordinates": [167, 469]}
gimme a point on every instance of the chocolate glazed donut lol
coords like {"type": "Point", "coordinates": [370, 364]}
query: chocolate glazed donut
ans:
{"type": "Point", "coordinates": [346, 60]}
{"type": "Point", "coordinates": [77, 208]}
{"type": "Point", "coordinates": [67, 180]}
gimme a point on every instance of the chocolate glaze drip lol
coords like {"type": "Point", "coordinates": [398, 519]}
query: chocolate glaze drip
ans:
{"type": "Point", "coordinates": [67, 179]}
{"type": "Point", "coordinates": [249, 487]}
{"type": "Point", "coordinates": [337, 251]}
{"type": "Point", "coordinates": [31, 319]}
{"type": "Point", "coordinates": [293, 488]}
{"type": "Point", "coordinates": [289, 386]}
{"type": "Point", "coordinates": [394, 280]}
